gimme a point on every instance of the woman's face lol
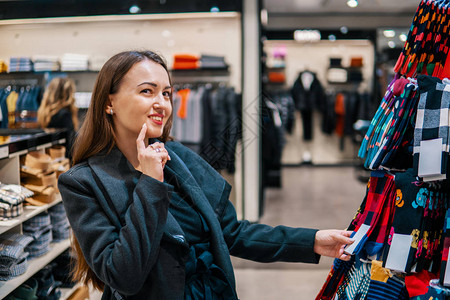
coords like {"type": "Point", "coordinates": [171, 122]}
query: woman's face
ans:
{"type": "Point", "coordinates": [143, 97]}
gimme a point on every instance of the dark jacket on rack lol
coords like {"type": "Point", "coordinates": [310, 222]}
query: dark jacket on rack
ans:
{"type": "Point", "coordinates": [134, 244]}
{"type": "Point", "coordinates": [307, 98]}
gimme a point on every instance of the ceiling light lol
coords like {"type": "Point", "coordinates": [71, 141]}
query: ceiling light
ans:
{"type": "Point", "coordinates": [332, 37]}
{"type": "Point", "coordinates": [214, 9]}
{"type": "Point", "coordinates": [352, 3]}
{"type": "Point", "coordinates": [389, 33]}
{"type": "Point", "coordinates": [307, 35]}
{"type": "Point", "coordinates": [391, 44]}
{"type": "Point", "coordinates": [134, 9]}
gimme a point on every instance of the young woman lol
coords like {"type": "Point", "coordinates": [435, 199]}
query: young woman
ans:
{"type": "Point", "coordinates": [151, 219]}
{"type": "Point", "coordinates": [58, 110]}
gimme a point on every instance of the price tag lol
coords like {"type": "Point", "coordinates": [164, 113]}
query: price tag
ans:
{"type": "Point", "coordinates": [398, 252]}
{"type": "Point", "coordinates": [359, 235]}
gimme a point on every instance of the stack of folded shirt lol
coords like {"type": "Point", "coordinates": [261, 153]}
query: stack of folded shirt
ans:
{"type": "Point", "coordinates": [74, 62]}
{"type": "Point", "coordinates": [185, 62]}
{"type": "Point", "coordinates": [13, 258]}
{"type": "Point", "coordinates": [37, 175]}
{"type": "Point", "coordinates": [60, 223]}
{"type": "Point", "coordinates": [39, 228]}
{"type": "Point", "coordinates": [20, 64]}
{"type": "Point", "coordinates": [212, 62]}
{"type": "Point", "coordinates": [12, 197]}
{"type": "Point", "coordinates": [46, 63]}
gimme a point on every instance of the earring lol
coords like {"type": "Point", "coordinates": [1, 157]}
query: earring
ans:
{"type": "Point", "coordinates": [111, 111]}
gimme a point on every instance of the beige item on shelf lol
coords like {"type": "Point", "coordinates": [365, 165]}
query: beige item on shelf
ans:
{"type": "Point", "coordinates": [48, 179]}
{"type": "Point", "coordinates": [56, 152]}
{"type": "Point", "coordinates": [44, 194]}
{"type": "Point", "coordinates": [37, 160]}
{"type": "Point", "coordinates": [34, 202]}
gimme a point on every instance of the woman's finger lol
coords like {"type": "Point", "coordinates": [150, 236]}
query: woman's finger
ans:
{"type": "Point", "coordinates": [140, 139]}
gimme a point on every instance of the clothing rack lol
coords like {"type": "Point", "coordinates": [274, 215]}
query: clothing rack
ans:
{"type": "Point", "coordinates": [401, 230]}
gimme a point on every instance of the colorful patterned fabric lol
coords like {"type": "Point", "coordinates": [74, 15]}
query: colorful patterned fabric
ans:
{"type": "Point", "coordinates": [432, 117]}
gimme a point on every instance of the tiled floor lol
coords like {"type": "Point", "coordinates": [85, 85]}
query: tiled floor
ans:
{"type": "Point", "coordinates": [317, 197]}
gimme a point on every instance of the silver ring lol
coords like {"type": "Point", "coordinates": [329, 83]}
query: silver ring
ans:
{"type": "Point", "coordinates": [158, 150]}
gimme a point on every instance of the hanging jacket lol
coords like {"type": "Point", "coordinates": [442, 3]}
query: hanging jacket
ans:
{"type": "Point", "coordinates": [308, 98]}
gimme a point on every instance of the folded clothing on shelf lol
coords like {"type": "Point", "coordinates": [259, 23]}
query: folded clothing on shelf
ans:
{"type": "Point", "coordinates": [74, 62]}
{"type": "Point", "coordinates": [12, 197]}
{"type": "Point", "coordinates": [60, 223]}
{"type": "Point", "coordinates": [13, 257]}
{"type": "Point", "coordinates": [39, 173]}
{"type": "Point", "coordinates": [185, 61]}
{"type": "Point", "coordinates": [48, 287]}
{"type": "Point", "coordinates": [20, 64]}
{"type": "Point", "coordinates": [212, 61]}
{"type": "Point", "coordinates": [39, 228]}
{"type": "Point", "coordinates": [46, 63]}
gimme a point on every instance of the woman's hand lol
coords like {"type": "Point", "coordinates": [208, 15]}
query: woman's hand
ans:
{"type": "Point", "coordinates": [153, 158]}
{"type": "Point", "coordinates": [332, 242]}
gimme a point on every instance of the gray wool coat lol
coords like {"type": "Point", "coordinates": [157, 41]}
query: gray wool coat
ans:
{"type": "Point", "coordinates": [136, 247]}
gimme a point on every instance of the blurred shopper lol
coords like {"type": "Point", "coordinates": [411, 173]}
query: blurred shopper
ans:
{"type": "Point", "coordinates": [58, 110]}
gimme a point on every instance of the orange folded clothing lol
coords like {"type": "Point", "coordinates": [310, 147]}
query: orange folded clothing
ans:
{"type": "Point", "coordinates": [277, 77]}
{"type": "Point", "coordinates": [182, 57]}
{"type": "Point", "coordinates": [185, 65]}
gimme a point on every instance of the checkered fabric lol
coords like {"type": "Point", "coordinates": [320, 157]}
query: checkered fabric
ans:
{"type": "Point", "coordinates": [12, 245]}
{"type": "Point", "coordinates": [11, 212]}
{"type": "Point", "coordinates": [381, 187]}
{"type": "Point", "coordinates": [432, 116]}
{"type": "Point", "coordinates": [14, 270]}
{"type": "Point", "coordinates": [37, 223]}
{"type": "Point", "coordinates": [14, 194]}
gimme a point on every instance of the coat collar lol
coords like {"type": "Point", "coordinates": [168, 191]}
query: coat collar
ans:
{"type": "Point", "coordinates": [119, 177]}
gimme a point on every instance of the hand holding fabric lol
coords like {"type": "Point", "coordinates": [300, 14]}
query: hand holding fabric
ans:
{"type": "Point", "coordinates": [332, 242]}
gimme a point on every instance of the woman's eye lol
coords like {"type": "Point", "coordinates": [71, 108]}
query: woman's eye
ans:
{"type": "Point", "coordinates": [146, 91]}
{"type": "Point", "coordinates": [167, 94]}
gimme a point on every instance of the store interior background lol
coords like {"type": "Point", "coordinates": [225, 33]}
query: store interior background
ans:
{"type": "Point", "coordinates": [323, 192]}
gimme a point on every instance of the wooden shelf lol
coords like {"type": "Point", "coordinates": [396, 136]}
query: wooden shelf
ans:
{"type": "Point", "coordinates": [28, 213]}
{"type": "Point", "coordinates": [34, 265]}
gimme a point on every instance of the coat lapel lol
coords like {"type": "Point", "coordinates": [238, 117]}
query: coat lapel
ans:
{"type": "Point", "coordinates": [177, 168]}
{"type": "Point", "coordinates": [118, 179]}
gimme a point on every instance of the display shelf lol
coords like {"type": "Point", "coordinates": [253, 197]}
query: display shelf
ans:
{"type": "Point", "coordinates": [19, 141]}
{"type": "Point", "coordinates": [34, 265]}
{"type": "Point", "coordinates": [28, 213]}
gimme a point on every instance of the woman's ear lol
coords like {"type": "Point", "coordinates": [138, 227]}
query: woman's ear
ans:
{"type": "Point", "coordinates": [109, 107]}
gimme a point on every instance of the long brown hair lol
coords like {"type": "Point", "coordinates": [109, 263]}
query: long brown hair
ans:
{"type": "Point", "coordinates": [59, 94]}
{"type": "Point", "coordinates": [96, 135]}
